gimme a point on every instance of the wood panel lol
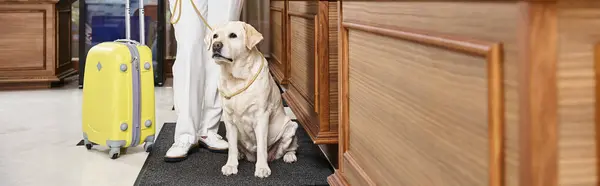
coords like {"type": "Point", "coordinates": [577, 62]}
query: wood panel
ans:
{"type": "Point", "coordinates": [495, 22]}
{"type": "Point", "coordinates": [354, 173]}
{"type": "Point", "coordinates": [302, 56]}
{"type": "Point", "coordinates": [452, 21]}
{"type": "Point", "coordinates": [311, 50]}
{"type": "Point", "coordinates": [303, 7]}
{"type": "Point", "coordinates": [400, 106]}
{"type": "Point", "coordinates": [22, 40]}
{"type": "Point", "coordinates": [538, 92]}
{"type": "Point", "coordinates": [64, 67]}
{"type": "Point", "coordinates": [578, 28]}
{"type": "Point", "coordinates": [29, 46]}
{"type": "Point", "coordinates": [278, 3]}
{"type": "Point", "coordinates": [597, 108]}
{"type": "Point", "coordinates": [279, 64]}
{"type": "Point", "coordinates": [332, 68]}
{"type": "Point", "coordinates": [550, 62]}
{"type": "Point", "coordinates": [277, 41]}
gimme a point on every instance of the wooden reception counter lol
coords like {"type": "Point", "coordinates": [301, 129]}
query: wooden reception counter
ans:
{"type": "Point", "coordinates": [34, 43]}
{"type": "Point", "coordinates": [468, 93]}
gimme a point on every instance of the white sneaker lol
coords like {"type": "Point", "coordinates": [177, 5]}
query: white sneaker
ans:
{"type": "Point", "coordinates": [214, 143]}
{"type": "Point", "coordinates": [179, 151]}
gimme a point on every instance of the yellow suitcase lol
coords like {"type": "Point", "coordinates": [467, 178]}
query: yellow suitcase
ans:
{"type": "Point", "coordinates": [118, 109]}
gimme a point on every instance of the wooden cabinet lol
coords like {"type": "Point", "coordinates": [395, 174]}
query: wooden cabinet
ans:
{"type": "Point", "coordinates": [34, 43]}
{"type": "Point", "coordinates": [307, 65]}
{"type": "Point", "coordinates": [278, 63]}
{"type": "Point", "coordinates": [469, 93]}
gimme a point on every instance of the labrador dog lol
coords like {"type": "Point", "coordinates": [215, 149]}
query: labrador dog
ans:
{"type": "Point", "coordinates": [257, 126]}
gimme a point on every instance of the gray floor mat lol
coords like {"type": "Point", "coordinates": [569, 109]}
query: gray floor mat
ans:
{"type": "Point", "coordinates": [204, 168]}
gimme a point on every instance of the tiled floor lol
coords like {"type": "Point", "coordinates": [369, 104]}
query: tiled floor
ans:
{"type": "Point", "coordinates": [38, 133]}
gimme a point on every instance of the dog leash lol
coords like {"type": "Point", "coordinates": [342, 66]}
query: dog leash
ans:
{"type": "Point", "coordinates": [178, 3]}
{"type": "Point", "coordinates": [225, 95]}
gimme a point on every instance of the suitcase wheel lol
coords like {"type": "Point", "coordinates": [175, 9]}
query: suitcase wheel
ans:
{"type": "Point", "coordinates": [148, 146]}
{"type": "Point", "coordinates": [114, 152]}
{"type": "Point", "coordinates": [87, 143]}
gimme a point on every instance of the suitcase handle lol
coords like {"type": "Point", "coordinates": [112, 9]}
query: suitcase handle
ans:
{"type": "Point", "coordinates": [128, 21]}
{"type": "Point", "coordinates": [128, 41]}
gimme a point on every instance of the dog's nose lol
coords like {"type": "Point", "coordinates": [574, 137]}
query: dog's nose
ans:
{"type": "Point", "coordinates": [217, 46]}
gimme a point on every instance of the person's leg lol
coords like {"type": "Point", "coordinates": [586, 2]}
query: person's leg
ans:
{"type": "Point", "coordinates": [219, 11]}
{"type": "Point", "coordinates": [188, 78]}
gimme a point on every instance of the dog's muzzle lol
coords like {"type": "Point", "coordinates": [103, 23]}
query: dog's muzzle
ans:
{"type": "Point", "coordinates": [218, 55]}
{"type": "Point", "coordinates": [216, 48]}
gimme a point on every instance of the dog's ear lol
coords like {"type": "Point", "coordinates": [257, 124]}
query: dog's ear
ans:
{"type": "Point", "coordinates": [253, 37]}
{"type": "Point", "coordinates": [208, 40]}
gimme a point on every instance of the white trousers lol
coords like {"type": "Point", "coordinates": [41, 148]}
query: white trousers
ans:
{"type": "Point", "coordinates": [195, 74]}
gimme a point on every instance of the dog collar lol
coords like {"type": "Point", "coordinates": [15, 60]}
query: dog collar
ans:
{"type": "Point", "coordinates": [229, 96]}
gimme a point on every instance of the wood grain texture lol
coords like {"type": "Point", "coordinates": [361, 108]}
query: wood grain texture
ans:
{"type": "Point", "coordinates": [354, 173]}
{"type": "Point", "coordinates": [333, 66]}
{"type": "Point", "coordinates": [321, 62]}
{"type": "Point", "coordinates": [336, 179]}
{"type": "Point", "coordinates": [63, 31]}
{"type": "Point", "coordinates": [278, 3]}
{"type": "Point", "coordinates": [578, 30]}
{"type": "Point", "coordinates": [310, 7]}
{"type": "Point", "coordinates": [28, 45]}
{"type": "Point", "coordinates": [550, 92]}
{"type": "Point", "coordinates": [597, 109]}
{"type": "Point", "coordinates": [398, 106]}
{"type": "Point", "coordinates": [538, 92]}
{"type": "Point", "coordinates": [22, 40]}
{"type": "Point", "coordinates": [301, 35]}
{"type": "Point", "coordinates": [496, 115]}
{"type": "Point", "coordinates": [279, 63]}
{"type": "Point", "coordinates": [343, 88]}
{"type": "Point", "coordinates": [309, 35]}
{"type": "Point", "coordinates": [495, 22]}
{"type": "Point", "coordinates": [25, 84]}
{"type": "Point", "coordinates": [302, 56]}
{"type": "Point", "coordinates": [64, 67]}
{"type": "Point", "coordinates": [288, 47]}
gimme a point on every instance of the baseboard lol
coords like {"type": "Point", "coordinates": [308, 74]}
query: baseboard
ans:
{"type": "Point", "coordinates": [25, 86]}
{"type": "Point", "coordinates": [75, 64]}
{"type": "Point", "coordinates": [336, 179]}
{"type": "Point", "coordinates": [168, 66]}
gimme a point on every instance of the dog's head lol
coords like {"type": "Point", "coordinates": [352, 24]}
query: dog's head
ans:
{"type": "Point", "coordinates": [231, 40]}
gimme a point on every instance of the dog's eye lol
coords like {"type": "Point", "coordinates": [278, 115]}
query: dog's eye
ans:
{"type": "Point", "coordinates": [232, 35]}
{"type": "Point", "coordinates": [215, 36]}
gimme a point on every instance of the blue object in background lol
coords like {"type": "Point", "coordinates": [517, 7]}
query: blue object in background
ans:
{"type": "Point", "coordinates": [110, 28]}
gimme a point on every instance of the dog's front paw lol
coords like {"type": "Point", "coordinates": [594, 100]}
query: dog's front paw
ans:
{"type": "Point", "coordinates": [262, 171]}
{"type": "Point", "coordinates": [290, 157]}
{"type": "Point", "coordinates": [229, 170]}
